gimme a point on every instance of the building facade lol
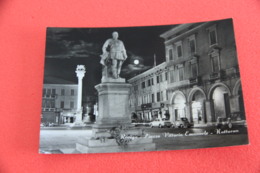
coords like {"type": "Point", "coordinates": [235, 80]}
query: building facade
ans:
{"type": "Point", "coordinates": [200, 75]}
{"type": "Point", "coordinates": [59, 103]}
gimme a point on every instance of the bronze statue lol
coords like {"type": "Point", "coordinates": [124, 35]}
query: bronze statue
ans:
{"type": "Point", "coordinates": [114, 54]}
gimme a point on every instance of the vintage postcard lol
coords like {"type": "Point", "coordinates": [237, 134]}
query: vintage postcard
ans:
{"type": "Point", "coordinates": [150, 88]}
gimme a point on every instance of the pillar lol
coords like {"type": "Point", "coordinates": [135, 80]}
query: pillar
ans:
{"type": "Point", "coordinates": [80, 71]}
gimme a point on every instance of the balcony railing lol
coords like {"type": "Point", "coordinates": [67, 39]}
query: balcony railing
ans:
{"type": "Point", "coordinates": [179, 84]}
{"type": "Point", "coordinates": [51, 96]}
{"type": "Point", "coordinates": [195, 80]}
{"type": "Point", "coordinates": [217, 75]}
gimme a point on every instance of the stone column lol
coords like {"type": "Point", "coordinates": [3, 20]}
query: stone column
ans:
{"type": "Point", "coordinates": [80, 71]}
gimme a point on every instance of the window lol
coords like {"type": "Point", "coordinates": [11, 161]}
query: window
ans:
{"type": "Point", "coordinates": [44, 103]}
{"type": "Point", "coordinates": [161, 78]}
{"type": "Point", "coordinates": [48, 104]}
{"type": "Point", "coordinates": [148, 82]}
{"type": "Point", "coordinates": [213, 38]}
{"type": "Point", "coordinates": [212, 35]}
{"type": "Point", "coordinates": [179, 51]}
{"type": "Point", "coordinates": [215, 64]}
{"type": "Point", "coordinates": [161, 96]}
{"type": "Point", "coordinates": [158, 79]}
{"type": "Point", "coordinates": [166, 75]}
{"type": "Point", "coordinates": [71, 105]}
{"type": "Point", "coordinates": [192, 44]}
{"type": "Point", "coordinates": [151, 81]}
{"type": "Point", "coordinates": [44, 91]}
{"type": "Point", "coordinates": [136, 87]}
{"type": "Point", "coordinates": [143, 84]}
{"type": "Point", "coordinates": [181, 73]}
{"type": "Point", "coordinates": [170, 54]}
{"type": "Point", "coordinates": [158, 96]}
{"type": "Point", "coordinates": [48, 92]}
{"type": "Point", "coordinates": [62, 104]}
{"type": "Point", "coordinates": [72, 92]}
{"type": "Point", "coordinates": [52, 104]}
{"type": "Point", "coordinates": [172, 76]}
{"type": "Point", "coordinates": [152, 98]}
{"type": "Point", "coordinates": [62, 92]}
{"type": "Point", "coordinates": [194, 70]}
{"type": "Point", "coordinates": [53, 91]}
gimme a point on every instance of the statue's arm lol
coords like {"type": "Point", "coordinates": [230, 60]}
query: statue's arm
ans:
{"type": "Point", "coordinates": [104, 48]}
{"type": "Point", "coordinates": [124, 51]}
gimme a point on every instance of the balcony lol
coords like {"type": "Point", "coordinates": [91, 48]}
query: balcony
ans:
{"type": "Point", "coordinates": [217, 75]}
{"type": "Point", "coordinates": [182, 60]}
{"type": "Point", "coordinates": [48, 109]}
{"type": "Point", "coordinates": [178, 84]}
{"type": "Point", "coordinates": [195, 81]}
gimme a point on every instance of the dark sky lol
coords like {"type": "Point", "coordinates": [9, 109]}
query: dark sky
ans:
{"type": "Point", "coordinates": [67, 47]}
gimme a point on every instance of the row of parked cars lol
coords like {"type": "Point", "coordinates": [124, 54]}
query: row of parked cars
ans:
{"type": "Point", "coordinates": [182, 123]}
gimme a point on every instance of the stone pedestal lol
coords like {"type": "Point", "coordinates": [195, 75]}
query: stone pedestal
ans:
{"type": "Point", "coordinates": [114, 113]}
{"type": "Point", "coordinates": [113, 106]}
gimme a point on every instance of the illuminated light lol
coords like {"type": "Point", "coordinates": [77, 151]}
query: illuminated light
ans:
{"type": "Point", "coordinates": [136, 62]}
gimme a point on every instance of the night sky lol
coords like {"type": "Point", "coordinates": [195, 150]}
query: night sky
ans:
{"type": "Point", "coordinates": [68, 47]}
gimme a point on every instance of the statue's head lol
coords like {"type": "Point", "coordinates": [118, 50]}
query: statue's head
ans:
{"type": "Point", "coordinates": [115, 35]}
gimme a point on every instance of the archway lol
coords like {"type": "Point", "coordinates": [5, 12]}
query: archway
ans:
{"type": "Point", "coordinates": [238, 102]}
{"type": "Point", "coordinates": [219, 96]}
{"type": "Point", "coordinates": [178, 105]}
{"type": "Point", "coordinates": [197, 99]}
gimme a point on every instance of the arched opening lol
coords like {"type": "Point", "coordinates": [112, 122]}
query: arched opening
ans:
{"type": "Point", "coordinates": [241, 103]}
{"type": "Point", "coordinates": [178, 106]}
{"type": "Point", "coordinates": [220, 99]}
{"type": "Point", "coordinates": [198, 107]}
{"type": "Point", "coordinates": [238, 102]}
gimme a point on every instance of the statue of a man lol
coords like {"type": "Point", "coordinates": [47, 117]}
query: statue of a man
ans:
{"type": "Point", "coordinates": [114, 54]}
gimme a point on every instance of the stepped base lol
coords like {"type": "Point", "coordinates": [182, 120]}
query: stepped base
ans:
{"type": "Point", "coordinates": [105, 145]}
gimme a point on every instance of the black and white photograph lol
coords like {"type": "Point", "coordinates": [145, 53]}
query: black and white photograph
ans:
{"type": "Point", "coordinates": [143, 88]}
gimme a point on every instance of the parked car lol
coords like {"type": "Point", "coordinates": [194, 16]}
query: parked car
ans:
{"type": "Point", "coordinates": [182, 123]}
{"type": "Point", "coordinates": [160, 123]}
{"type": "Point", "coordinates": [224, 122]}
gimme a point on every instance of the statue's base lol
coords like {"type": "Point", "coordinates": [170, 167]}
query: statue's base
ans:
{"type": "Point", "coordinates": [105, 145]}
{"type": "Point", "coordinates": [112, 80]}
